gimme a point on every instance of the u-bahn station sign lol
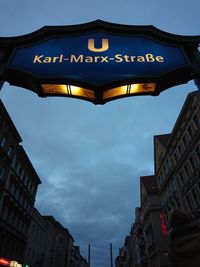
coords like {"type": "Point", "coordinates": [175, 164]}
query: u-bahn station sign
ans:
{"type": "Point", "coordinates": [99, 61]}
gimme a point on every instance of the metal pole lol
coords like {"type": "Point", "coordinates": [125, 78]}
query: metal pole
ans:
{"type": "Point", "coordinates": [111, 256]}
{"type": "Point", "coordinates": [89, 255]}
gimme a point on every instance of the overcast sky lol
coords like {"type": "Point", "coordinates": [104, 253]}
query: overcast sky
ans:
{"type": "Point", "coordinates": [89, 157]}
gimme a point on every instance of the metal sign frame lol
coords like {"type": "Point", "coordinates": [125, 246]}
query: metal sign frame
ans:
{"type": "Point", "coordinates": [188, 45]}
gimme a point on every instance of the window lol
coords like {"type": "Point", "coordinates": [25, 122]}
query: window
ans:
{"type": "Point", "coordinates": [174, 185]}
{"type": "Point", "coordinates": [20, 172]}
{"type": "Point", "coordinates": [1, 172]}
{"type": "Point", "coordinates": [185, 142]}
{"type": "Point", "coordinates": [8, 216]}
{"type": "Point", "coordinates": [159, 181]}
{"type": "Point", "coordinates": [195, 197]}
{"type": "Point", "coordinates": [182, 178]}
{"type": "Point", "coordinates": [25, 178]}
{"type": "Point", "coordinates": [189, 203]}
{"type": "Point", "coordinates": [196, 120]}
{"type": "Point", "coordinates": [9, 151]}
{"type": "Point", "coordinates": [160, 158]}
{"type": "Point", "coordinates": [16, 165]}
{"type": "Point", "coordinates": [180, 149]}
{"type": "Point", "coordinates": [164, 170]}
{"type": "Point", "coordinates": [167, 165]}
{"type": "Point", "coordinates": [3, 141]}
{"type": "Point", "coordinates": [187, 170]}
{"type": "Point", "coordinates": [192, 162]}
{"type": "Point", "coordinates": [197, 151]}
{"type": "Point", "coordinates": [189, 130]}
{"type": "Point", "coordinates": [161, 176]}
{"type": "Point", "coordinates": [175, 157]}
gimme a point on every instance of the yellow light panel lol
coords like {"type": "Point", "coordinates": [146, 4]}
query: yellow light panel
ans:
{"type": "Point", "coordinates": [129, 90]}
{"type": "Point", "coordinates": [88, 94]}
{"type": "Point", "coordinates": [62, 89]}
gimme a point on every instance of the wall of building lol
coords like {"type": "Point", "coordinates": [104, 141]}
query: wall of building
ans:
{"type": "Point", "coordinates": [19, 183]}
{"type": "Point", "coordinates": [178, 173]}
{"type": "Point", "coordinates": [37, 249]}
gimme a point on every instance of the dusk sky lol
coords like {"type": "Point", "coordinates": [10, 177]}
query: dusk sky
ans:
{"type": "Point", "coordinates": [90, 157]}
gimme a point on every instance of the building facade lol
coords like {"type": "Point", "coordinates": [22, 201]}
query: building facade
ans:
{"type": "Point", "coordinates": [133, 253]}
{"type": "Point", "coordinates": [174, 185]}
{"type": "Point", "coordinates": [18, 186]}
{"type": "Point", "coordinates": [76, 258]}
{"type": "Point", "coordinates": [37, 249]}
{"type": "Point", "coordinates": [140, 255]}
{"type": "Point", "coordinates": [151, 209]}
{"type": "Point", "coordinates": [124, 259]}
{"type": "Point", "coordinates": [177, 161]}
{"type": "Point", "coordinates": [61, 244]}
{"type": "Point", "coordinates": [51, 245]}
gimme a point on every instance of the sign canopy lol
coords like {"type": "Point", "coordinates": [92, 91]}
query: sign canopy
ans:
{"type": "Point", "coordinates": [99, 61]}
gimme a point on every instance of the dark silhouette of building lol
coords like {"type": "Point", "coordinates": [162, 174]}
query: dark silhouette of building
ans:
{"type": "Point", "coordinates": [151, 209]}
{"type": "Point", "coordinates": [177, 161]}
{"type": "Point", "coordinates": [18, 186]}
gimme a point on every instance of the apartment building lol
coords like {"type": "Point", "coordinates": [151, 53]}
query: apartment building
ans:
{"type": "Point", "coordinates": [177, 161]}
{"type": "Point", "coordinates": [37, 249]}
{"type": "Point", "coordinates": [151, 209]}
{"type": "Point", "coordinates": [61, 244]}
{"type": "Point", "coordinates": [18, 186]}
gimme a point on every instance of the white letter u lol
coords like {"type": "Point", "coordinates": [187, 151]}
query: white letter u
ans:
{"type": "Point", "coordinates": [103, 48]}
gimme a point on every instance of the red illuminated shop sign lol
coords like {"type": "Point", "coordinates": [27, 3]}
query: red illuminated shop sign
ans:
{"type": "Point", "coordinates": [4, 262]}
{"type": "Point", "coordinates": [163, 224]}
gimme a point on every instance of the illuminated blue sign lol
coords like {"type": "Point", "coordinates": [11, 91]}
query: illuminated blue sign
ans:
{"type": "Point", "coordinates": [97, 58]}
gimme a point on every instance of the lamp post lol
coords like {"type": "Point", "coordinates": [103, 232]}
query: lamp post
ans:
{"type": "Point", "coordinates": [89, 255]}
